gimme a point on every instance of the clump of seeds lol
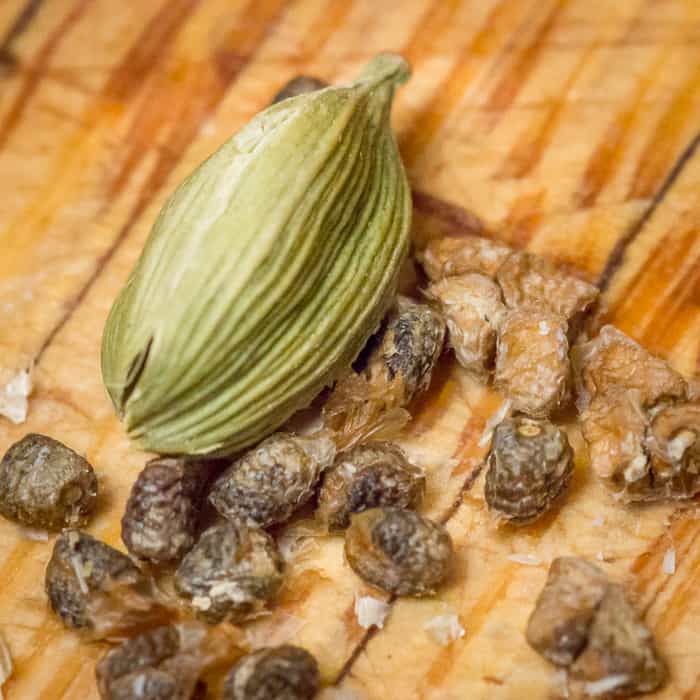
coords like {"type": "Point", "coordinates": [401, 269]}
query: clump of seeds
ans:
{"type": "Point", "coordinates": [510, 314]}
{"type": "Point", "coordinates": [584, 623]}
{"type": "Point", "coordinates": [639, 418]}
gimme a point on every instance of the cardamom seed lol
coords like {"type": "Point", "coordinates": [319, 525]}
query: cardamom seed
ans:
{"type": "Point", "coordinates": [265, 273]}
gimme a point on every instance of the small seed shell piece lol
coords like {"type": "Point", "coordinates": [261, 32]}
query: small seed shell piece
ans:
{"type": "Point", "coordinates": [530, 281]}
{"type": "Point", "coordinates": [230, 573]}
{"type": "Point", "coordinates": [368, 476]}
{"type": "Point", "coordinates": [532, 362]}
{"type": "Point", "coordinates": [398, 551]}
{"type": "Point", "coordinates": [530, 465]}
{"type": "Point", "coordinates": [269, 483]}
{"type": "Point", "coordinates": [451, 256]}
{"type": "Point", "coordinates": [474, 311]}
{"type": "Point", "coordinates": [46, 485]}
{"type": "Point", "coordinates": [275, 673]}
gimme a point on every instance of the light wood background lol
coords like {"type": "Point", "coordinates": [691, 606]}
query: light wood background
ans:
{"type": "Point", "coordinates": [566, 126]}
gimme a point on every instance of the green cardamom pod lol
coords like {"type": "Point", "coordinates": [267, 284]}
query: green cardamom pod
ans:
{"type": "Point", "coordinates": [265, 273]}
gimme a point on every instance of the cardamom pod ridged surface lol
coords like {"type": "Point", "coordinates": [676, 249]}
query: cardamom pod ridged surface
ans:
{"type": "Point", "coordinates": [265, 272]}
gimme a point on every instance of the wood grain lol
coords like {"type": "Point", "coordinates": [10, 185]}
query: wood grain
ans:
{"type": "Point", "coordinates": [565, 126]}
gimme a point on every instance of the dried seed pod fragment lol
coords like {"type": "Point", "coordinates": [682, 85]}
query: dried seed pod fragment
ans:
{"type": "Point", "coordinates": [399, 366]}
{"type": "Point", "coordinates": [532, 362]}
{"type": "Point", "coordinates": [613, 360]}
{"type": "Point", "coordinates": [45, 484]}
{"type": "Point", "coordinates": [94, 588]}
{"type": "Point", "coordinates": [474, 311]}
{"type": "Point", "coordinates": [642, 431]}
{"type": "Point", "coordinates": [530, 465]}
{"type": "Point", "coordinates": [368, 476]}
{"type": "Point", "coordinates": [276, 673]}
{"type": "Point", "coordinates": [161, 516]}
{"type": "Point", "coordinates": [530, 281]}
{"type": "Point", "coordinates": [452, 256]}
{"type": "Point", "coordinates": [559, 625]}
{"type": "Point", "coordinates": [398, 551]}
{"type": "Point", "coordinates": [614, 426]}
{"type": "Point", "coordinates": [270, 482]}
{"type": "Point", "coordinates": [299, 85]}
{"type": "Point", "coordinates": [165, 663]}
{"type": "Point", "coordinates": [230, 573]}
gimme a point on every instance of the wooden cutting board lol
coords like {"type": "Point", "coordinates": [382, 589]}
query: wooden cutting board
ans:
{"type": "Point", "coordinates": [566, 126]}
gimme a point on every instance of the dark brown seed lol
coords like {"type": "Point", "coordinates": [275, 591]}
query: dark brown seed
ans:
{"type": "Point", "coordinates": [230, 573]}
{"type": "Point", "coordinates": [530, 465]}
{"type": "Point", "coordinates": [93, 587]}
{"type": "Point", "coordinates": [141, 652]}
{"type": "Point", "coordinates": [559, 625]}
{"type": "Point", "coordinates": [620, 646]}
{"type": "Point", "coordinates": [162, 513]}
{"type": "Point", "coordinates": [278, 673]}
{"type": "Point", "coordinates": [165, 662]}
{"type": "Point", "coordinates": [368, 476]}
{"type": "Point", "coordinates": [299, 86]}
{"type": "Point", "coordinates": [45, 484]}
{"type": "Point", "coordinates": [398, 551]}
{"type": "Point", "coordinates": [269, 483]}
{"type": "Point", "coordinates": [146, 684]}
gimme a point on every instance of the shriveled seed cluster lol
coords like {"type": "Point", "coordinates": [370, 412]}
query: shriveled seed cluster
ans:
{"type": "Point", "coordinates": [510, 316]}
{"type": "Point", "coordinates": [640, 418]}
{"type": "Point", "coordinates": [585, 624]}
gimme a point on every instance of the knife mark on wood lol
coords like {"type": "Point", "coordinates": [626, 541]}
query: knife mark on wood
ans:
{"type": "Point", "coordinates": [617, 254]}
{"type": "Point", "coordinates": [8, 59]}
{"type": "Point", "coordinates": [36, 70]}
